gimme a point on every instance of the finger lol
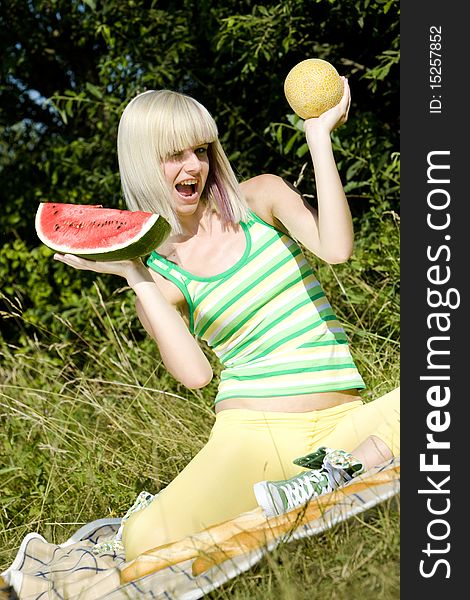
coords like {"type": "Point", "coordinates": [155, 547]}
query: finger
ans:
{"type": "Point", "coordinates": [74, 261]}
{"type": "Point", "coordinates": [346, 99]}
{"type": "Point", "coordinates": [62, 257]}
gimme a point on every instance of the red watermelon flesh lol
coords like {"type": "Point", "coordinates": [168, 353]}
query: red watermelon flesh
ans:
{"type": "Point", "coordinates": [98, 233]}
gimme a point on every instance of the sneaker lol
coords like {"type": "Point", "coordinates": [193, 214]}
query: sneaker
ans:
{"type": "Point", "coordinates": [115, 544]}
{"type": "Point", "coordinates": [342, 466]}
{"type": "Point", "coordinates": [277, 497]}
{"type": "Point", "coordinates": [333, 468]}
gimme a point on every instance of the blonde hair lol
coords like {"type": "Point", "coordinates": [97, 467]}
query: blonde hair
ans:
{"type": "Point", "coordinates": [157, 124]}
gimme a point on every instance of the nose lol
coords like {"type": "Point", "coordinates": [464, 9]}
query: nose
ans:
{"type": "Point", "coordinates": [192, 164]}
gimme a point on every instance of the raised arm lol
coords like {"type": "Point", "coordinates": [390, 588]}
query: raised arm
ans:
{"type": "Point", "coordinates": [180, 352]}
{"type": "Point", "coordinates": [326, 231]}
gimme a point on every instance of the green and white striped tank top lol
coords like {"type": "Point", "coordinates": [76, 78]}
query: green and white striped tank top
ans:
{"type": "Point", "coordinates": [267, 319]}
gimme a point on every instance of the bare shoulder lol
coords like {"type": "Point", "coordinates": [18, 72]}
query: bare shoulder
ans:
{"type": "Point", "coordinates": [264, 185]}
{"type": "Point", "coordinates": [265, 192]}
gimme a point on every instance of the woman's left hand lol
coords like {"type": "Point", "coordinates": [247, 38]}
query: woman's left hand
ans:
{"type": "Point", "coordinates": [332, 118]}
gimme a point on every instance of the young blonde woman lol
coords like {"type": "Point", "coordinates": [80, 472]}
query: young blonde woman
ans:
{"type": "Point", "coordinates": [233, 274]}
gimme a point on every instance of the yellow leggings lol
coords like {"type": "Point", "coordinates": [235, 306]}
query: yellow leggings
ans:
{"type": "Point", "coordinates": [247, 446]}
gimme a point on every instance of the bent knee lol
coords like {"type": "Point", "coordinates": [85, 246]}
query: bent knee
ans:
{"type": "Point", "coordinates": [138, 535]}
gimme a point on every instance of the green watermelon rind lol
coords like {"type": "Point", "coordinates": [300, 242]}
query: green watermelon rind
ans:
{"type": "Point", "coordinates": [140, 247]}
{"type": "Point", "coordinates": [157, 230]}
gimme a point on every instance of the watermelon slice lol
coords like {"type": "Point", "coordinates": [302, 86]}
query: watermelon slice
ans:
{"type": "Point", "coordinates": [99, 233]}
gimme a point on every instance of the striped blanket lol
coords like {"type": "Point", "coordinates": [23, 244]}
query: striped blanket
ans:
{"type": "Point", "coordinates": [189, 568]}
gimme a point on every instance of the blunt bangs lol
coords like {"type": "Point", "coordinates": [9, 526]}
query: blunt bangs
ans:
{"type": "Point", "coordinates": [185, 124]}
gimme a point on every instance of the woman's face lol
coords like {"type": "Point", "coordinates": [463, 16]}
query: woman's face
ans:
{"type": "Point", "coordinates": [186, 173]}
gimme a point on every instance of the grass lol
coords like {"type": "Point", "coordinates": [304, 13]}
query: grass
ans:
{"type": "Point", "coordinates": [89, 418]}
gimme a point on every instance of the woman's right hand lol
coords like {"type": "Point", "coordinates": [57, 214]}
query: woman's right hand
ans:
{"type": "Point", "coordinates": [123, 268]}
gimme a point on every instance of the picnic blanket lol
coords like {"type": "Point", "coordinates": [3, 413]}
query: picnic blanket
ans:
{"type": "Point", "coordinates": [191, 567]}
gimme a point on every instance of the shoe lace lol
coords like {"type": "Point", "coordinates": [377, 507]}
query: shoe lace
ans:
{"type": "Point", "coordinates": [300, 490]}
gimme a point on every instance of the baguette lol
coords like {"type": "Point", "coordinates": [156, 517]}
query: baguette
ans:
{"type": "Point", "coordinates": [275, 527]}
{"type": "Point", "coordinates": [189, 547]}
{"type": "Point", "coordinates": [244, 533]}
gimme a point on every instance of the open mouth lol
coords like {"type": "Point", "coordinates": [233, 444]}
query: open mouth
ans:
{"type": "Point", "coordinates": [187, 189]}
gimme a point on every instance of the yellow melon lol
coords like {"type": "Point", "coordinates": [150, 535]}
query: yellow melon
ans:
{"type": "Point", "coordinates": [312, 87]}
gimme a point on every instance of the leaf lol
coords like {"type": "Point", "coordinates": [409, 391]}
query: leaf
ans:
{"type": "Point", "coordinates": [353, 169]}
{"type": "Point", "coordinates": [302, 150]}
{"type": "Point", "coordinates": [94, 90]}
{"type": "Point", "coordinates": [68, 108]}
{"type": "Point", "coordinates": [291, 142]}
{"type": "Point", "coordinates": [91, 4]}
{"type": "Point", "coordinates": [354, 185]}
{"type": "Point", "coordinates": [105, 31]}
{"type": "Point", "coordinates": [9, 469]}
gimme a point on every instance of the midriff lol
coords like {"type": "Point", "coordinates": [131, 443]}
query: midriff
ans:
{"type": "Point", "coordinates": [301, 403]}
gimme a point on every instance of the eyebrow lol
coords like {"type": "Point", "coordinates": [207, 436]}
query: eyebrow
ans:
{"type": "Point", "coordinates": [178, 150]}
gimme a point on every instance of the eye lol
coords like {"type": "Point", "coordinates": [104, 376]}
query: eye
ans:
{"type": "Point", "coordinates": [201, 150]}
